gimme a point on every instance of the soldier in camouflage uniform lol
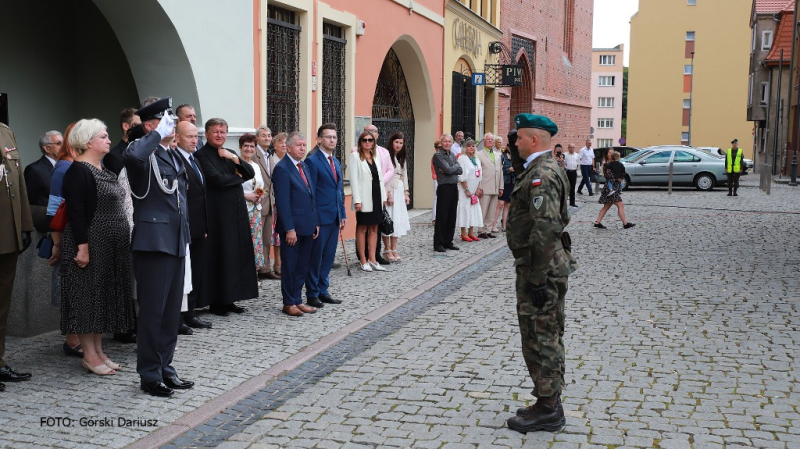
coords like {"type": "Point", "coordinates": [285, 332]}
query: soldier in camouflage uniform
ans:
{"type": "Point", "coordinates": [536, 222]}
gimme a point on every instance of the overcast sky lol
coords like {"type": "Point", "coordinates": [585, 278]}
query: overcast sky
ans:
{"type": "Point", "coordinates": [612, 24]}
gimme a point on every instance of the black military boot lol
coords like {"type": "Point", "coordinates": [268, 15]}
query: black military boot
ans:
{"type": "Point", "coordinates": [546, 414]}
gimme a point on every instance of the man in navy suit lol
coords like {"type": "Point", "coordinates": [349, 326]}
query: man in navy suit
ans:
{"type": "Point", "coordinates": [326, 174]}
{"type": "Point", "coordinates": [298, 224]}
{"type": "Point", "coordinates": [37, 178]}
{"type": "Point", "coordinates": [158, 246]}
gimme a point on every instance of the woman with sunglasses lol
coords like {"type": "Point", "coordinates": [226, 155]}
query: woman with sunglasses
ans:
{"type": "Point", "coordinates": [369, 197]}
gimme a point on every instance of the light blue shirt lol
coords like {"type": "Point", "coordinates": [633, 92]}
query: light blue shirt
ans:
{"type": "Point", "coordinates": [533, 157]}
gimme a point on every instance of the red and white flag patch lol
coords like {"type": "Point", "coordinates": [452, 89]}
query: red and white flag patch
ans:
{"type": "Point", "coordinates": [536, 182]}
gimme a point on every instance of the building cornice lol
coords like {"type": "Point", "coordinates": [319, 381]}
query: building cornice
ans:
{"type": "Point", "coordinates": [473, 18]}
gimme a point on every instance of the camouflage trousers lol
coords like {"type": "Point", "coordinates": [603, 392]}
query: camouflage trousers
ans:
{"type": "Point", "coordinates": [542, 332]}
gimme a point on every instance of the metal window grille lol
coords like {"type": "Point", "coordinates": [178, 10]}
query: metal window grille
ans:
{"type": "Point", "coordinates": [463, 105]}
{"type": "Point", "coordinates": [334, 85]}
{"type": "Point", "coordinates": [392, 110]}
{"type": "Point", "coordinates": [283, 70]}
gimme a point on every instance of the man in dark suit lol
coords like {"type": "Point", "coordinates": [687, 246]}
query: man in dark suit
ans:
{"type": "Point", "coordinates": [198, 225]}
{"type": "Point", "coordinates": [298, 224]}
{"type": "Point", "coordinates": [113, 159]}
{"type": "Point", "coordinates": [37, 178]}
{"type": "Point", "coordinates": [160, 237]}
{"type": "Point", "coordinates": [325, 173]}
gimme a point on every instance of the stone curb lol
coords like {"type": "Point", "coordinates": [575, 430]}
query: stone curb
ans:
{"type": "Point", "coordinates": [215, 406]}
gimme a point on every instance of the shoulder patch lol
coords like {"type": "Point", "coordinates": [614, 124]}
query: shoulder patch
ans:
{"type": "Point", "coordinates": [536, 182]}
{"type": "Point", "coordinates": [537, 202]}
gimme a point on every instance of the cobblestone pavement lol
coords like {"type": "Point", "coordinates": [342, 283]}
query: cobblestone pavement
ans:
{"type": "Point", "coordinates": [681, 332]}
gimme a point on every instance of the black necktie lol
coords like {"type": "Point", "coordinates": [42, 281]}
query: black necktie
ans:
{"type": "Point", "coordinates": [196, 170]}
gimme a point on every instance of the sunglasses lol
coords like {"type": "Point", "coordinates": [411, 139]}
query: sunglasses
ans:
{"type": "Point", "coordinates": [368, 140]}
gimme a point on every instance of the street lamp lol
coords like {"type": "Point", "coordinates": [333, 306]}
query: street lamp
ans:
{"type": "Point", "coordinates": [691, 103]}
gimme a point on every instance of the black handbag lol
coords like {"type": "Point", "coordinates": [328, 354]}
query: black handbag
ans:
{"type": "Point", "coordinates": [387, 225]}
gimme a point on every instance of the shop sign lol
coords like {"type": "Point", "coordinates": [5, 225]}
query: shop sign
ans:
{"type": "Point", "coordinates": [467, 37]}
{"type": "Point", "coordinates": [511, 75]}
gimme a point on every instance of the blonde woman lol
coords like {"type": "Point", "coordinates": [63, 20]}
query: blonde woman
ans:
{"type": "Point", "coordinates": [96, 260]}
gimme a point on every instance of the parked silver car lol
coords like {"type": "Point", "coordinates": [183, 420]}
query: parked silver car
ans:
{"type": "Point", "coordinates": [691, 167]}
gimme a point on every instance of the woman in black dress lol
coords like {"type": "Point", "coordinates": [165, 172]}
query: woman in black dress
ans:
{"type": "Point", "coordinates": [96, 295]}
{"type": "Point", "coordinates": [369, 197]}
{"type": "Point", "coordinates": [614, 172]}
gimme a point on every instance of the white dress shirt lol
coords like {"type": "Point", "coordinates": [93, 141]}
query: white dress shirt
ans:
{"type": "Point", "coordinates": [266, 158]}
{"type": "Point", "coordinates": [455, 149]}
{"type": "Point", "coordinates": [586, 156]}
{"type": "Point", "coordinates": [571, 161]}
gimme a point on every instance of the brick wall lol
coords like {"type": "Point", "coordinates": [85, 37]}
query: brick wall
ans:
{"type": "Point", "coordinates": [562, 86]}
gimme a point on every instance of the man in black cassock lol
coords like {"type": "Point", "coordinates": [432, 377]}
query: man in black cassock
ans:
{"type": "Point", "coordinates": [230, 259]}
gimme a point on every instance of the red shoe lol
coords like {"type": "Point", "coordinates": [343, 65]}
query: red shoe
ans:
{"type": "Point", "coordinates": [474, 239]}
{"type": "Point", "coordinates": [466, 239]}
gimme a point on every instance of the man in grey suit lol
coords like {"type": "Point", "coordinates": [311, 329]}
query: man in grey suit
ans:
{"type": "Point", "coordinates": [160, 237]}
{"type": "Point", "coordinates": [264, 138]}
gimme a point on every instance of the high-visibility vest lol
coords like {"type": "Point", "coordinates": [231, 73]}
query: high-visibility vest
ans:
{"type": "Point", "coordinates": [735, 160]}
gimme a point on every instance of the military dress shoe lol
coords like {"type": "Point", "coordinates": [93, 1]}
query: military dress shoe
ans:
{"type": "Point", "coordinates": [292, 311]}
{"type": "Point", "coordinates": [439, 249]}
{"type": "Point", "coordinates": [197, 323]}
{"type": "Point", "coordinates": [452, 247]}
{"type": "Point", "coordinates": [306, 309]}
{"type": "Point", "coordinates": [328, 300]}
{"type": "Point", "coordinates": [183, 329]}
{"type": "Point", "coordinates": [9, 375]}
{"type": "Point", "coordinates": [315, 302]}
{"type": "Point", "coordinates": [157, 388]}
{"type": "Point", "coordinates": [236, 309]}
{"type": "Point", "coordinates": [539, 416]}
{"type": "Point", "coordinates": [176, 383]}
{"type": "Point", "coordinates": [125, 337]}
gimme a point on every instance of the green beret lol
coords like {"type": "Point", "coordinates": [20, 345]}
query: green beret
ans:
{"type": "Point", "coordinates": [535, 121]}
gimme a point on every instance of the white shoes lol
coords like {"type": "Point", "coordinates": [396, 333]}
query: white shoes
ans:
{"type": "Point", "coordinates": [376, 266]}
{"type": "Point", "coordinates": [366, 267]}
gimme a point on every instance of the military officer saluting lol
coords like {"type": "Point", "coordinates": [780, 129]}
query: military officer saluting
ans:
{"type": "Point", "coordinates": [159, 242]}
{"type": "Point", "coordinates": [535, 235]}
{"type": "Point", "coordinates": [15, 236]}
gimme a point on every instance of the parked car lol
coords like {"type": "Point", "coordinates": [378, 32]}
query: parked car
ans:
{"type": "Point", "coordinates": [719, 152]}
{"type": "Point", "coordinates": [623, 152]}
{"type": "Point", "coordinates": [691, 167]}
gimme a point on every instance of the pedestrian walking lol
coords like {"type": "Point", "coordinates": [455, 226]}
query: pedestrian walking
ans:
{"type": "Point", "coordinates": [535, 236]}
{"type": "Point", "coordinates": [733, 167]}
{"type": "Point", "coordinates": [586, 159]}
{"type": "Point", "coordinates": [571, 162]}
{"type": "Point", "coordinates": [614, 172]}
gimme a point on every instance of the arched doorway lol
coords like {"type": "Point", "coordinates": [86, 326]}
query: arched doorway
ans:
{"type": "Point", "coordinates": [521, 97]}
{"type": "Point", "coordinates": [463, 98]}
{"type": "Point", "coordinates": [87, 61]}
{"type": "Point", "coordinates": [392, 110]}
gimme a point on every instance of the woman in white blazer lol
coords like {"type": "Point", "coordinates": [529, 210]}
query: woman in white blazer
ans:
{"type": "Point", "coordinates": [369, 198]}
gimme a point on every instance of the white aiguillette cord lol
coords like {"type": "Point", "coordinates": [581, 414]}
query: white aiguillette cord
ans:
{"type": "Point", "coordinates": [154, 165]}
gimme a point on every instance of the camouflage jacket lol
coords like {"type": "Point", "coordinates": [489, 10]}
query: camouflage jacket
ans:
{"type": "Point", "coordinates": [537, 218]}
